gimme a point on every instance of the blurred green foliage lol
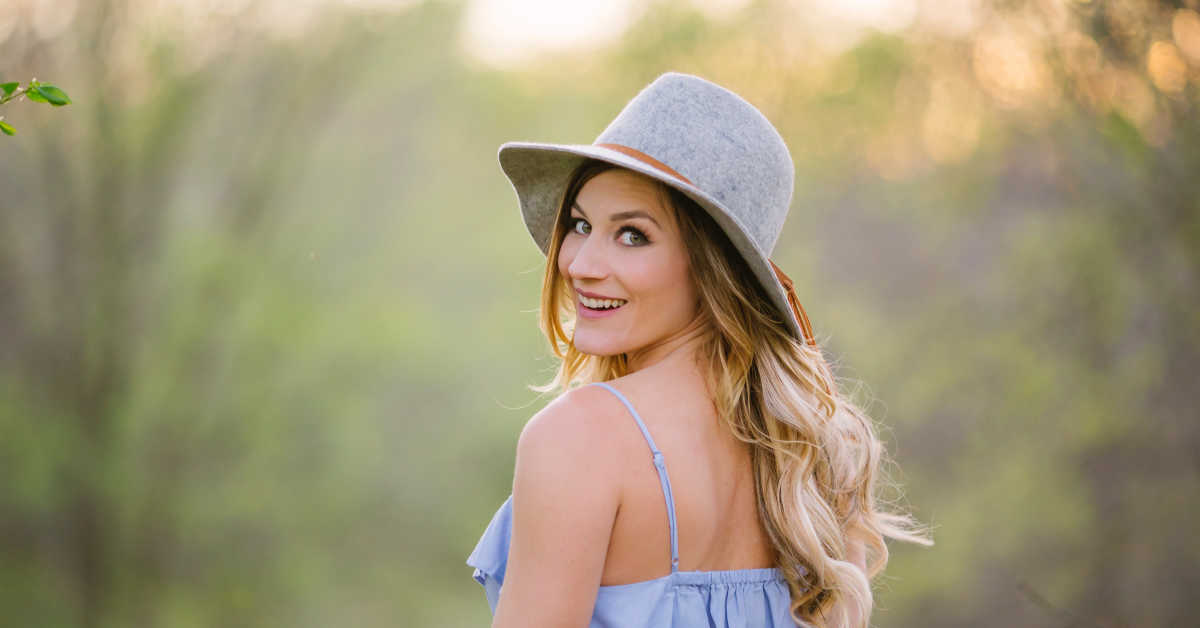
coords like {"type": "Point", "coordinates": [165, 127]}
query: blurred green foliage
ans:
{"type": "Point", "coordinates": [266, 311]}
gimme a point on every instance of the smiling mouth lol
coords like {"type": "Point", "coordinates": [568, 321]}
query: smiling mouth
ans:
{"type": "Point", "coordinates": [601, 305]}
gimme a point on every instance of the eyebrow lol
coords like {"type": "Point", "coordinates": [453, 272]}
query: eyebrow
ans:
{"type": "Point", "coordinates": [636, 213]}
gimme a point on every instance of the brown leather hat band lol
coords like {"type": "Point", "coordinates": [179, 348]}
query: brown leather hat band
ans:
{"type": "Point", "coordinates": [797, 309]}
{"type": "Point", "coordinates": [646, 159]}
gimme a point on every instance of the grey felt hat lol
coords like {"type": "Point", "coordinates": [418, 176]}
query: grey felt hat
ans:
{"type": "Point", "coordinates": [697, 137]}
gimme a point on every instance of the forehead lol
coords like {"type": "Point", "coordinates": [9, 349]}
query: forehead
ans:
{"type": "Point", "coordinates": [619, 189]}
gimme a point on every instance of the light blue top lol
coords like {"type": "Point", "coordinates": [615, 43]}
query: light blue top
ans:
{"type": "Point", "coordinates": [681, 599]}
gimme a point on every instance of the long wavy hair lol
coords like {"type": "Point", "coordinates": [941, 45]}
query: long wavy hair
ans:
{"type": "Point", "coordinates": [816, 458]}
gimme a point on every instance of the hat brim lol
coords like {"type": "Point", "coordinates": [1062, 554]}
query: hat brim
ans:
{"type": "Point", "coordinates": [538, 173]}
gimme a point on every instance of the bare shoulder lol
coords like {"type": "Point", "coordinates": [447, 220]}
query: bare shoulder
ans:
{"type": "Point", "coordinates": [576, 429]}
{"type": "Point", "coordinates": [579, 416]}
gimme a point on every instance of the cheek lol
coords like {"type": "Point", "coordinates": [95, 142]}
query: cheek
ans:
{"type": "Point", "coordinates": [668, 279]}
{"type": "Point", "coordinates": [686, 292]}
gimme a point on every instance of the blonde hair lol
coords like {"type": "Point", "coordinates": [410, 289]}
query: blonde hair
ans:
{"type": "Point", "coordinates": [815, 454]}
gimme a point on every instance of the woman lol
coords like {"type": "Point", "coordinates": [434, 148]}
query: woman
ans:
{"type": "Point", "coordinates": [659, 295]}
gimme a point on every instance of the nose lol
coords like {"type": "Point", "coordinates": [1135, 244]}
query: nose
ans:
{"type": "Point", "coordinates": [585, 258]}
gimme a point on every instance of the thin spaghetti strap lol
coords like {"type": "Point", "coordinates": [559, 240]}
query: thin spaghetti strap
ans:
{"type": "Point", "coordinates": [663, 479]}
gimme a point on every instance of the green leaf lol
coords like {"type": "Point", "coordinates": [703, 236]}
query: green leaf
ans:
{"type": "Point", "coordinates": [33, 95]}
{"type": "Point", "coordinates": [7, 128]}
{"type": "Point", "coordinates": [9, 88]}
{"type": "Point", "coordinates": [53, 95]}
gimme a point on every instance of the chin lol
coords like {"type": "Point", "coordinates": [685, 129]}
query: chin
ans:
{"type": "Point", "coordinates": [599, 347]}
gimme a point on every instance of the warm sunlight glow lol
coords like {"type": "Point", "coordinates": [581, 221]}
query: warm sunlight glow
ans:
{"type": "Point", "coordinates": [1167, 69]}
{"type": "Point", "coordinates": [506, 33]}
{"type": "Point", "coordinates": [1007, 67]}
{"type": "Point", "coordinates": [509, 33]}
{"type": "Point", "coordinates": [1185, 27]}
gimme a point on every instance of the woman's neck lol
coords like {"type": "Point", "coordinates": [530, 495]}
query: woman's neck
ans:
{"type": "Point", "coordinates": [678, 348]}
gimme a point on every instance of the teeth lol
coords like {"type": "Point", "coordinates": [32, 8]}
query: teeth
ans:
{"type": "Point", "coordinates": [601, 304]}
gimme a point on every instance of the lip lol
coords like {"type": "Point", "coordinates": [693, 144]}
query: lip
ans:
{"type": "Point", "coordinates": [593, 295]}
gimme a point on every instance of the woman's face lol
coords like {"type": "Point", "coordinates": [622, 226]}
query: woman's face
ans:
{"type": "Point", "coordinates": [628, 266]}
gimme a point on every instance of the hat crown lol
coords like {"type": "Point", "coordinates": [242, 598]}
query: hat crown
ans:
{"type": "Point", "coordinates": [719, 141]}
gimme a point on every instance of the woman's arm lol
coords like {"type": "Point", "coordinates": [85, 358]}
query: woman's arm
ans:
{"type": "Point", "coordinates": [565, 498]}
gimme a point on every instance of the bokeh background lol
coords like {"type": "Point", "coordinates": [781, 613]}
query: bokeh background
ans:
{"type": "Point", "coordinates": [267, 306]}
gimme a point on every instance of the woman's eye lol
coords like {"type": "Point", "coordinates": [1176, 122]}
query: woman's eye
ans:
{"type": "Point", "coordinates": [632, 237]}
{"type": "Point", "coordinates": [580, 226]}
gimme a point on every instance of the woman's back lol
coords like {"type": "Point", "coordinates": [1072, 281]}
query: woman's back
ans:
{"type": "Point", "coordinates": [705, 564]}
{"type": "Point", "coordinates": [710, 476]}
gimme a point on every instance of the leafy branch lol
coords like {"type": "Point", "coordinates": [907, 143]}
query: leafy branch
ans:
{"type": "Point", "coordinates": [35, 91]}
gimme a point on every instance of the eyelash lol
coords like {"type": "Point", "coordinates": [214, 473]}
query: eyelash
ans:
{"type": "Point", "coordinates": [573, 222]}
